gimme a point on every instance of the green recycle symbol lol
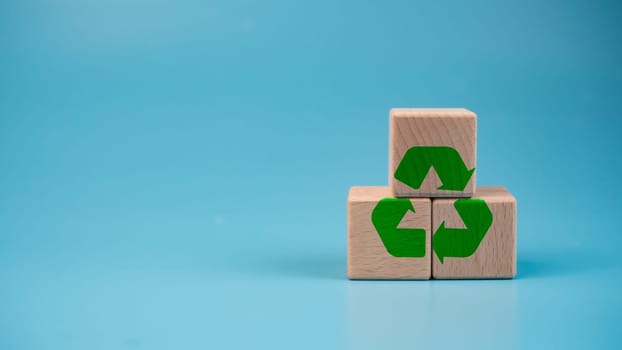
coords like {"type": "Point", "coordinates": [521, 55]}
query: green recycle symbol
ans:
{"type": "Point", "coordinates": [447, 162]}
{"type": "Point", "coordinates": [399, 242]}
{"type": "Point", "coordinates": [446, 242]}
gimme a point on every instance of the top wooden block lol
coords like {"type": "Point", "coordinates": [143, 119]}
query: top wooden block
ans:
{"type": "Point", "coordinates": [432, 152]}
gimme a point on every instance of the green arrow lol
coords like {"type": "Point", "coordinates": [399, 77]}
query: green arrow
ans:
{"type": "Point", "coordinates": [399, 242]}
{"type": "Point", "coordinates": [458, 242]}
{"type": "Point", "coordinates": [446, 161]}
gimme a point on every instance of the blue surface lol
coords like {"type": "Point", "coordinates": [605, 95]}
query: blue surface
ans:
{"type": "Point", "coordinates": [173, 174]}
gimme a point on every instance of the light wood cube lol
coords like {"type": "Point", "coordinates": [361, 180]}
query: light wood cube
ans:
{"type": "Point", "coordinates": [388, 238]}
{"type": "Point", "coordinates": [475, 237]}
{"type": "Point", "coordinates": [432, 152]}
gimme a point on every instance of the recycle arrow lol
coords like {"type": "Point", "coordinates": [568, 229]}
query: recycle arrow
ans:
{"type": "Point", "coordinates": [399, 242]}
{"type": "Point", "coordinates": [447, 162]}
{"type": "Point", "coordinates": [461, 243]}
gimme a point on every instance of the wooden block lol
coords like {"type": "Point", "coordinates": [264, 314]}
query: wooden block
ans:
{"type": "Point", "coordinates": [386, 239]}
{"type": "Point", "coordinates": [432, 152]}
{"type": "Point", "coordinates": [475, 237]}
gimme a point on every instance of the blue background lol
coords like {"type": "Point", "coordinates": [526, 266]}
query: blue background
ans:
{"type": "Point", "coordinates": [173, 174]}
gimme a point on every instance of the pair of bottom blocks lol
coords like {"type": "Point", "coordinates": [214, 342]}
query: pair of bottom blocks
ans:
{"type": "Point", "coordinates": [423, 238]}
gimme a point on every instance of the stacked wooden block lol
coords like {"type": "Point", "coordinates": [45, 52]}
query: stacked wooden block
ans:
{"type": "Point", "coordinates": [431, 221]}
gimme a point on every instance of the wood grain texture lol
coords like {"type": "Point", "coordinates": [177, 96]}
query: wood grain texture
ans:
{"type": "Point", "coordinates": [496, 255]}
{"type": "Point", "coordinates": [367, 256]}
{"type": "Point", "coordinates": [410, 127]}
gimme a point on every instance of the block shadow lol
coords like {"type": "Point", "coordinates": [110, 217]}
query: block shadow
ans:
{"type": "Point", "coordinates": [332, 266]}
{"type": "Point", "coordinates": [329, 267]}
{"type": "Point", "coordinates": [531, 266]}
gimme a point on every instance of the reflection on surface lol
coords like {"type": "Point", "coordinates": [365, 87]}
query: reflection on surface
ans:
{"type": "Point", "coordinates": [440, 313]}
